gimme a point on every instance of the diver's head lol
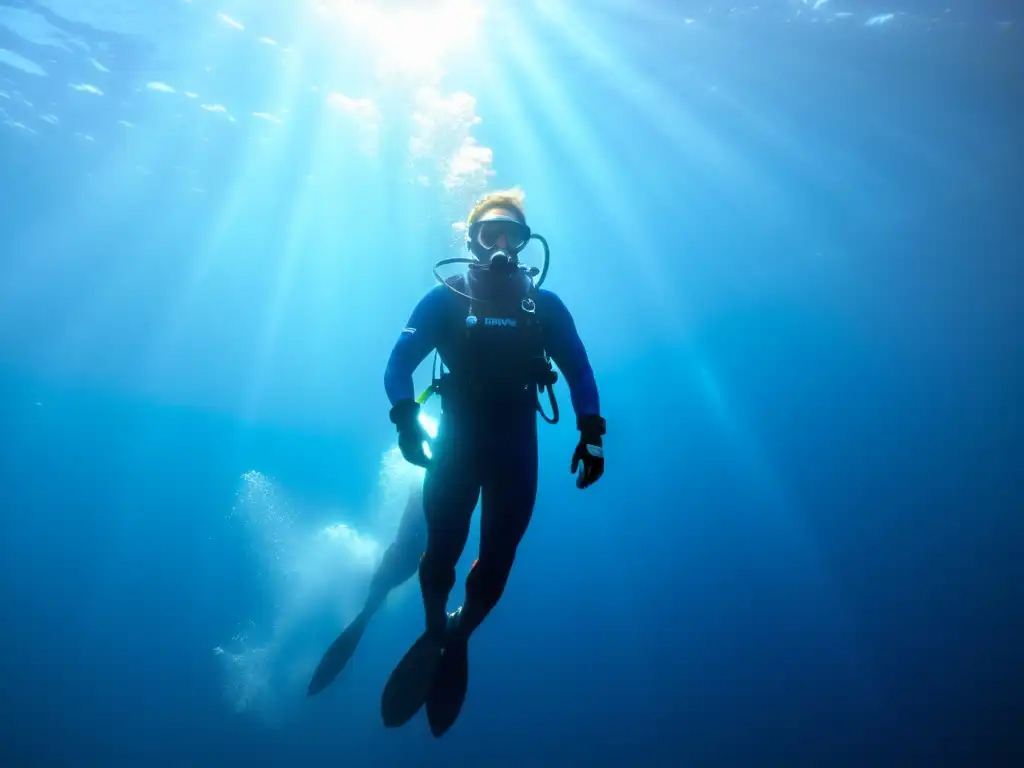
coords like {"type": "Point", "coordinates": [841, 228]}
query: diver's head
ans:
{"type": "Point", "coordinates": [496, 231]}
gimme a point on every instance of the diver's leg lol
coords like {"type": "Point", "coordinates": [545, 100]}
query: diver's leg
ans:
{"type": "Point", "coordinates": [450, 493]}
{"type": "Point", "coordinates": [509, 495]}
{"type": "Point", "coordinates": [398, 565]}
{"type": "Point", "coordinates": [402, 558]}
{"type": "Point", "coordinates": [393, 571]}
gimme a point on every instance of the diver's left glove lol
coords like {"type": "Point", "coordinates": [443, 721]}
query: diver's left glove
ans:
{"type": "Point", "coordinates": [589, 451]}
{"type": "Point", "coordinates": [405, 415]}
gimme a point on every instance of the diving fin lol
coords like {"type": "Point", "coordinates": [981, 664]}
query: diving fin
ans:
{"type": "Point", "coordinates": [409, 685]}
{"type": "Point", "coordinates": [338, 654]}
{"type": "Point", "coordinates": [448, 692]}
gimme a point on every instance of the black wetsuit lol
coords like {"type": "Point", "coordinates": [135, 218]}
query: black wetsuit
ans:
{"type": "Point", "coordinates": [487, 439]}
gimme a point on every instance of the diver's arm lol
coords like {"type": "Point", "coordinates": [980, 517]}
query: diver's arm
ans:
{"type": "Point", "coordinates": [566, 349]}
{"type": "Point", "coordinates": [414, 344]}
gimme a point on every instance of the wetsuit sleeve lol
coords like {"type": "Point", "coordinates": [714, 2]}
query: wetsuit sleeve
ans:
{"type": "Point", "coordinates": [417, 340]}
{"type": "Point", "coordinates": [566, 349]}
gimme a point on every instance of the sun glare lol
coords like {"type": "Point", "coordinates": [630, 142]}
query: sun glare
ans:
{"type": "Point", "coordinates": [410, 37]}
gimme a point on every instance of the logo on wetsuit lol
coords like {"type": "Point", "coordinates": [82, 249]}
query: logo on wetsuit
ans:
{"type": "Point", "coordinates": [501, 322]}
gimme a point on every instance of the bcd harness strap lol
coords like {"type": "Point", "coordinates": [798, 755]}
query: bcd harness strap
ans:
{"type": "Point", "coordinates": [543, 375]}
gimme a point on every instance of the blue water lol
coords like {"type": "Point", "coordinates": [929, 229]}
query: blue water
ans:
{"type": "Point", "coordinates": [789, 233]}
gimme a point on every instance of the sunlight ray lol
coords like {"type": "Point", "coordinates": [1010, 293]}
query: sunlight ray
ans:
{"type": "Point", "coordinates": [511, 109]}
{"type": "Point", "coordinates": [772, 126]}
{"type": "Point", "coordinates": [276, 308]}
{"type": "Point", "coordinates": [58, 250]}
{"type": "Point", "coordinates": [578, 142]}
{"type": "Point", "coordinates": [117, 184]}
{"type": "Point", "coordinates": [312, 256]}
{"type": "Point", "coordinates": [407, 40]}
{"type": "Point", "coordinates": [593, 164]}
{"type": "Point", "coordinates": [782, 513]}
{"type": "Point", "coordinates": [261, 157]}
{"type": "Point", "coordinates": [674, 122]}
{"type": "Point", "coordinates": [724, 167]}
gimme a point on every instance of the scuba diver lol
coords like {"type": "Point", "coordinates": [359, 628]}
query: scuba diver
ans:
{"type": "Point", "coordinates": [398, 565]}
{"type": "Point", "coordinates": [497, 334]}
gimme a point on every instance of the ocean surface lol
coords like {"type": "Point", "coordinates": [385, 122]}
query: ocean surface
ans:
{"type": "Point", "coordinates": [789, 232]}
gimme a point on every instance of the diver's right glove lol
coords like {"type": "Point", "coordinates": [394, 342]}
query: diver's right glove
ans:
{"type": "Point", "coordinates": [590, 451]}
{"type": "Point", "coordinates": [405, 415]}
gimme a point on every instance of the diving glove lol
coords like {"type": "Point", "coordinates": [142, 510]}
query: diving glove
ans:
{"type": "Point", "coordinates": [588, 459]}
{"type": "Point", "coordinates": [411, 434]}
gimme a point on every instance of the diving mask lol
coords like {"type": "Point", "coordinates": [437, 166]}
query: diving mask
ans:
{"type": "Point", "coordinates": [486, 234]}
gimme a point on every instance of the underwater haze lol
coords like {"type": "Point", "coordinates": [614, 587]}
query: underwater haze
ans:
{"type": "Point", "coordinates": [789, 232]}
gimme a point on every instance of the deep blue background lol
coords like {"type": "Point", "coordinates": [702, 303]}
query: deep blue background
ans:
{"type": "Point", "coordinates": [807, 547]}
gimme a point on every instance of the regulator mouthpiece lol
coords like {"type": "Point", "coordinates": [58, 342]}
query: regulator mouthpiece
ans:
{"type": "Point", "coordinates": [501, 261]}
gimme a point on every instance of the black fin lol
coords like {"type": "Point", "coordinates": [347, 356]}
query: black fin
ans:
{"type": "Point", "coordinates": [338, 655]}
{"type": "Point", "coordinates": [407, 688]}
